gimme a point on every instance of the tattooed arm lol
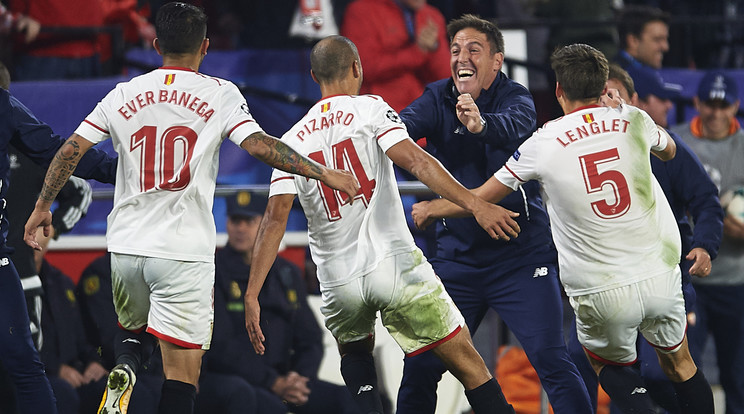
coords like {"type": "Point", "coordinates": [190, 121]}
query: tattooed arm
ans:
{"type": "Point", "coordinates": [60, 170]}
{"type": "Point", "coordinates": [279, 155]}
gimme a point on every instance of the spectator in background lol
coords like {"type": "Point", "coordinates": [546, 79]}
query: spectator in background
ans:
{"type": "Point", "coordinates": [11, 23]}
{"type": "Point", "coordinates": [644, 37]}
{"type": "Point", "coordinates": [694, 200]}
{"type": "Point", "coordinates": [403, 44]}
{"type": "Point", "coordinates": [59, 55]}
{"type": "Point", "coordinates": [473, 122]}
{"type": "Point", "coordinates": [288, 371]}
{"type": "Point", "coordinates": [72, 364]}
{"type": "Point", "coordinates": [654, 95]}
{"type": "Point", "coordinates": [718, 140]}
{"type": "Point", "coordinates": [573, 15]}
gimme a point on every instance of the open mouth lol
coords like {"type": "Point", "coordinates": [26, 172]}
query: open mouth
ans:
{"type": "Point", "coordinates": [465, 73]}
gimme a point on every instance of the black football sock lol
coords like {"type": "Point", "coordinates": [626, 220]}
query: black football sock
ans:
{"type": "Point", "coordinates": [488, 398]}
{"type": "Point", "coordinates": [177, 398]}
{"type": "Point", "coordinates": [695, 395]}
{"type": "Point", "coordinates": [133, 348]}
{"type": "Point", "coordinates": [625, 387]}
{"type": "Point", "coordinates": [360, 376]}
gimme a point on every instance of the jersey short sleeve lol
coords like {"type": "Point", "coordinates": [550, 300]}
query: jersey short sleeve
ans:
{"type": "Point", "coordinates": [95, 127]}
{"type": "Point", "coordinates": [239, 123]}
{"type": "Point", "coordinates": [521, 166]}
{"type": "Point", "coordinates": [282, 182]}
{"type": "Point", "coordinates": [388, 127]}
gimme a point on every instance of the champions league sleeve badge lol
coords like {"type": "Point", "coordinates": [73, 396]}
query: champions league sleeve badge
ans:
{"type": "Point", "coordinates": [393, 116]}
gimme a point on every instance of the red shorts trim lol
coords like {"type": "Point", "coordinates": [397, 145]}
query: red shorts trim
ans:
{"type": "Point", "coordinates": [182, 344]}
{"type": "Point", "coordinates": [435, 344]}
{"type": "Point", "coordinates": [607, 361]}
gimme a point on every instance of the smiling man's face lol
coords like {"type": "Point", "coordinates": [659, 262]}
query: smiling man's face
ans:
{"type": "Point", "coordinates": [473, 66]}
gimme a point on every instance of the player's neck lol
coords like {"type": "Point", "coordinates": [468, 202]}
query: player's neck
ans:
{"type": "Point", "coordinates": [570, 106]}
{"type": "Point", "coordinates": [183, 61]}
{"type": "Point", "coordinates": [344, 87]}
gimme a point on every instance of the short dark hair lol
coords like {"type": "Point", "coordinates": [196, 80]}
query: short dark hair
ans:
{"type": "Point", "coordinates": [622, 76]}
{"type": "Point", "coordinates": [492, 32]}
{"type": "Point", "coordinates": [331, 57]}
{"type": "Point", "coordinates": [634, 18]}
{"type": "Point", "coordinates": [180, 28]}
{"type": "Point", "coordinates": [581, 70]}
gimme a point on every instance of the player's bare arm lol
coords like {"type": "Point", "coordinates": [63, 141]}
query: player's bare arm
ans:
{"type": "Point", "coordinates": [61, 168]}
{"type": "Point", "coordinates": [496, 220]}
{"type": "Point", "coordinates": [671, 149]}
{"type": "Point", "coordinates": [492, 191]}
{"type": "Point", "coordinates": [270, 233]}
{"type": "Point", "coordinates": [277, 154]}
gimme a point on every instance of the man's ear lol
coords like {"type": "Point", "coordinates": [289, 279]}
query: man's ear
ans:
{"type": "Point", "coordinates": [356, 68]}
{"type": "Point", "coordinates": [156, 45]}
{"type": "Point", "coordinates": [204, 46]}
{"type": "Point", "coordinates": [634, 99]}
{"type": "Point", "coordinates": [312, 74]}
{"type": "Point", "coordinates": [498, 61]}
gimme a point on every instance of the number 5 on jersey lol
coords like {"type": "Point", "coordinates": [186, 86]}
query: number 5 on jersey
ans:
{"type": "Point", "coordinates": [345, 157]}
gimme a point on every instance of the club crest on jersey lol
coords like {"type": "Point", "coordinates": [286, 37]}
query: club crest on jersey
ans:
{"type": "Point", "coordinates": [516, 155]}
{"type": "Point", "coordinates": [325, 107]}
{"type": "Point", "coordinates": [391, 115]}
{"type": "Point", "coordinates": [170, 78]}
{"type": "Point", "coordinates": [588, 118]}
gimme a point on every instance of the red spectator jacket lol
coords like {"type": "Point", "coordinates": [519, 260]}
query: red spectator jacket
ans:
{"type": "Point", "coordinates": [394, 66]}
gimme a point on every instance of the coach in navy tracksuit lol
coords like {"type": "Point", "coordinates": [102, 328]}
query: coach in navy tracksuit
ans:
{"type": "Point", "coordinates": [517, 278]}
{"type": "Point", "coordinates": [19, 127]}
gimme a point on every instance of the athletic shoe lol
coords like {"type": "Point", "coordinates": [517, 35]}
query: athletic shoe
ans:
{"type": "Point", "coordinates": [118, 390]}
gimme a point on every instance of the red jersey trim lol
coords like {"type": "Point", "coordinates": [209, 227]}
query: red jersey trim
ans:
{"type": "Point", "coordinates": [514, 174]}
{"type": "Point", "coordinates": [607, 361]}
{"type": "Point", "coordinates": [236, 126]}
{"type": "Point", "coordinates": [391, 129]}
{"type": "Point", "coordinates": [282, 178]}
{"type": "Point", "coordinates": [182, 344]}
{"type": "Point", "coordinates": [178, 68]}
{"type": "Point", "coordinates": [584, 107]}
{"type": "Point", "coordinates": [96, 126]}
{"type": "Point", "coordinates": [435, 344]}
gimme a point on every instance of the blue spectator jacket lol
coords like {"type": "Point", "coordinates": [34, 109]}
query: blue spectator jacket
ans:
{"type": "Point", "coordinates": [509, 112]}
{"type": "Point", "coordinates": [35, 139]}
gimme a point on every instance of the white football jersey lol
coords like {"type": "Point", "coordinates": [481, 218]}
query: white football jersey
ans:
{"type": "Point", "coordinates": [351, 133]}
{"type": "Point", "coordinates": [167, 127]}
{"type": "Point", "coordinates": [610, 220]}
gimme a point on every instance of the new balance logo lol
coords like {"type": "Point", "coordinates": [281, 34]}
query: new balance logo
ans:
{"type": "Point", "coordinates": [540, 271]}
{"type": "Point", "coordinates": [364, 388]}
{"type": "Point", "coordinates": [136, 341]}
{"type": "Point", "coordinates": [638, 390]}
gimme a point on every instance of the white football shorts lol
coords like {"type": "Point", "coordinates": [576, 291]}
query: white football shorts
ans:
{"type": "Point", "coordinates": [608, 322]}
{"type": "Point", "coordinates": [174, 299]}
{"type": "Point", "coordinates": [413, 304]}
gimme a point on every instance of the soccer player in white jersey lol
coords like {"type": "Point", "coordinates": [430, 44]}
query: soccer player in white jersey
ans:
{"type": "Point", "coordinates": [366, 257]}
{"type": "Point", "coordinates": [618, 243]}
{"type": "Point", "coordinates": [167, 127]}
